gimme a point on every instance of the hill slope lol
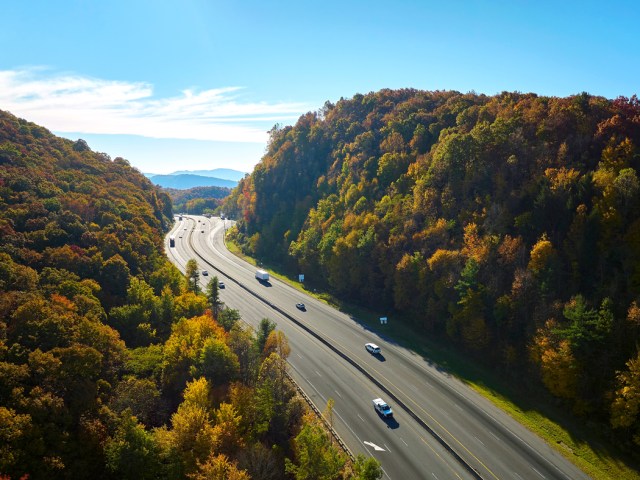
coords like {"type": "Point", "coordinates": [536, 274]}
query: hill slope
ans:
{"type": "Point", "coordinates": [197, 200]}
{"type": "Point", "coordinates": [111, 364]}
{"type": "Point", "coordinates": [76, 229]}
{"type": "Point", "coordinates": [508, 225]}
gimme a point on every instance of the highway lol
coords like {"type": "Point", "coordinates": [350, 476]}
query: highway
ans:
{"type": "Point", "coordinates": [441, 428]}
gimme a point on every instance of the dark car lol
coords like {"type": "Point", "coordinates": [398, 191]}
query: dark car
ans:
{"type": "Point", "coordinates": [205, 273]}
{"type": "Point", "coordinates": [300, 306]}
{"type": "Point", "coordinates": [220, 284]}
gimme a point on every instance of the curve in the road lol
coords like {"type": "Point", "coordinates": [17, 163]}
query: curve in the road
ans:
{"type": "Point", "coordinates": [351, 361]}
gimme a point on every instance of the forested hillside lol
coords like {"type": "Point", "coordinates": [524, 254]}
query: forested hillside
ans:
{"type": "Point", "coordinates": [197, 200]}
{"type": "Point", "coordinates": [508, 225]}
{"type": "Point", "coordinates": [112, 364]}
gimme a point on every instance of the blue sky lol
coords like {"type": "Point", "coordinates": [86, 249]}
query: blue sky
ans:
{"type": "Point", "coordinates": [196, 84]}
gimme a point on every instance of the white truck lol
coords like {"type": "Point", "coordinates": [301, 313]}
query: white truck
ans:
{"type": "Point", "coordinates": [382, 408]}
{"type": "Point", "coordinates": [262, 275]}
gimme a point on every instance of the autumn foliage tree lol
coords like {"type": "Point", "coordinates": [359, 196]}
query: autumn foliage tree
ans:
{"type": "Point", "coordinates": [475, 219]}
{"type": "Point", "coordinates": [112, 363]}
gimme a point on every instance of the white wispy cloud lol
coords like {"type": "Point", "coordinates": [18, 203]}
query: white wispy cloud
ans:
{"type": "Point", "coordinates": [76, 103]}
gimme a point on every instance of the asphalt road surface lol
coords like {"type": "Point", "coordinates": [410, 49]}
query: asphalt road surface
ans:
{"type": "Point", "coordinates": [441, 429]}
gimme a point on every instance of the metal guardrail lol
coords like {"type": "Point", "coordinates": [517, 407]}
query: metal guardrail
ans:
{"type": "Point", "coordinates": [328, 426]}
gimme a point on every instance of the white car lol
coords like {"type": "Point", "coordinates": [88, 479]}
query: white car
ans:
{"type": "Point", "coordinates": [382, 408]}
{"type": "Point", "coordinates": [372, 348]}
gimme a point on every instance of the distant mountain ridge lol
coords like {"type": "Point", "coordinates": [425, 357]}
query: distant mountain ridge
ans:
{"type": "Point", "coordinates": [186, 181]}
{"type": "Point", "coordinates": [224, 173]}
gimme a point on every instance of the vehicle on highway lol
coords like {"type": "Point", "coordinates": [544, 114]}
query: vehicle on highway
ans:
{"type": "Point", "coordinates": [172, 241]}
{"type": "Point", "coordinates": [382, 408]}
{"type": "Point", "coordinates": [262, 275]}
{"type": "Point", "coordinates": [202, 231]}
{"type": "Point", "coordinates": [220, 284]}
{"type": "Point", "coordinates": [205, 273]}
{"type": "Point", "coordinates": [372, 348]}
{"type": "Point", "coordinates": [301, 306]}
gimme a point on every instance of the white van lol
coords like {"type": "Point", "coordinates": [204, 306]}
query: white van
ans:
{"type": "Point", "coordinates": [372, 348]}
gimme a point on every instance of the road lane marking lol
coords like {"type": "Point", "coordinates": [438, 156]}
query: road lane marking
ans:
{"type": "Point", "coordinates": [385, 472]}
{"type": "Point", "coordinates": [479, 441]}
{"type": "Point", "coordinates": [435, 476]}
{"type": "Point", "coordinates": [318, 373]}
{"type": "Point", "coordinates": [338, 393]}
{"type": "Point", "coordinates": [360, 417]}
{"type": "Point", "coordinates": [538, 472]}
{"type": "Point", "coordinates": [375, 447]}
{"type": "Point", "coordinates": [494, 436]}
{"type": "Point", "coordinates": [404, 441]}
{"type": "Point", "coordinates": [440, 457]}
{"type": "Point", "coordinates": [299, 356]}
{"type": "Point", "coordinates": [388, 449]}
{"type": "Point", "coordinates": [338, 346]}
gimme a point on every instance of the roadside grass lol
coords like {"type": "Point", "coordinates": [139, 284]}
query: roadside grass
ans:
{"type": "Point", "coordinates": [575, 439]}
{"type": "Point", "coordinates": [233, 248]}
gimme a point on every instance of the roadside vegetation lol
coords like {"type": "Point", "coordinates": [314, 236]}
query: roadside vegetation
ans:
{"type": "Point", "coordinates": [581, 443]}
{"type": "Point", "coordinates": [113, 365]}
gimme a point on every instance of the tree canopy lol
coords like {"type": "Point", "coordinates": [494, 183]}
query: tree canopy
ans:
{"type": "Point", "coordinates": [508, 225]}
{"type": "Point", "coordinates": [111, 363]}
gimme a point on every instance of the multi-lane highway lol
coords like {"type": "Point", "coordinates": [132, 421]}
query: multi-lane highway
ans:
{"type": "Point", "coordinates": [441, 429]}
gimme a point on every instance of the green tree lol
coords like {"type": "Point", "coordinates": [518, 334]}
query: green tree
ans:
{"type": "Point", "coordinates": [192, 273]}
{"type": "Point", "coordinates": [242, 343]}
{"type": "Point", "coordinates": [183, 350]}
{"type": "Point", "coordinates": [217, 363]}
{"type": "Point", "coordinates": [115, 275]}
{"type": "Point", "coordinates": [587, 327]}
{"type": "Point", "coordinates": [213, 296]}
{"type": "Point", "coordinates": [228, 318]}
{"type": "Point", "coordinates": [264, 329]}
{"type": "Point", "coordinates": [367, 468]}
{"type": "Point", "coordinates": [141, 396]}
{"type": "Point", "coordinates": [133, 452]}
{"type": "Point", "coordinates": [316, 457]}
